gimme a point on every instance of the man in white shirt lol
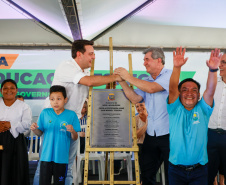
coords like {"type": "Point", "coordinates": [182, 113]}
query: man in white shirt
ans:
{"type": "Point", "coordinates": [217, 127]}
{"type": "Point", "coordinates": [74, 76]}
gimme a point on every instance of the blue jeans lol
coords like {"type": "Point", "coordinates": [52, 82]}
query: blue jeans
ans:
{"type": "Point", "coordinates": [179, 176]}
{"type": "Point", "coordinates": [72, 155]}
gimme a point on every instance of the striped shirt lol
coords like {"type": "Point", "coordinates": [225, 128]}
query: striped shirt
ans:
{"type": "Point", "coordinates": [83, 123]}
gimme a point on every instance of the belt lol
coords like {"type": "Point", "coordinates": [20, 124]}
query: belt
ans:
{"type": "Point", "coordinates": [189, 167]}
{"type": "Point", "coordinates": [219, 130]}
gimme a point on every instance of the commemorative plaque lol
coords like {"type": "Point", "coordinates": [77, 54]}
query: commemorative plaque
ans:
{"type": "Point", "coordinates": [111, 121]}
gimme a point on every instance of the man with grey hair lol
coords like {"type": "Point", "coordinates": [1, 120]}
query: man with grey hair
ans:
{"type": "Point", "coordinates": [154, 90]}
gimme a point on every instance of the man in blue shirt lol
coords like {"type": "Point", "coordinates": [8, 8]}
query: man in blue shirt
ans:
{"type": "Point", "coordinates": [154, 91]}
{"type": "Point", "coordinates": [189, 119]}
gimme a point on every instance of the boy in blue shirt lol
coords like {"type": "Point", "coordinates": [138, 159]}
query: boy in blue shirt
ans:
{"type": "Point", "coordinates": [188, 122]}
{"type": "Point", "coordinates": [59, 125]}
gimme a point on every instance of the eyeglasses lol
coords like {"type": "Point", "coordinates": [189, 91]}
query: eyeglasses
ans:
{"type": "Point", "coordinates": [223, 62]}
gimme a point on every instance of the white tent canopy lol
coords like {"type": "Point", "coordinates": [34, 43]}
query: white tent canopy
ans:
{"type": "Point", "coordinates": [166, 23]}
{"type": "Point", "coordinates": [50, 24]}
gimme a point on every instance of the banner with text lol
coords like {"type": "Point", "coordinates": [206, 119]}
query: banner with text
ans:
{"type": "Point", "coordinates": [35, 84]}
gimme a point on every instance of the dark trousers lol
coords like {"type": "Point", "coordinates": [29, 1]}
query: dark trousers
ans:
{"type": "Point", "coordinates": [49, 169]}
{"type": "Point", "coordinates": [14, 168]}
{"type": "Point", "coordinates": [82, 145]}
{"type": "Point", "coordinates": [139, 155]}
{"type": "Point", "coordinates": [155, 151]}
{"type": "Point", "coordinates": [216, 154]}
{"type": "Point", "coordinates": [179, 176]}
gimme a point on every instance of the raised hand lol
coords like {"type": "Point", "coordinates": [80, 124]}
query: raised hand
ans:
{"type": "Point", "coordinates": [34, 126]}
{"type": "Point", "coordinates": [122, 72]}
{"type": "Point", "coordinates": [178, 57]}
{"type": "Point", "coordinates": [214, 61]}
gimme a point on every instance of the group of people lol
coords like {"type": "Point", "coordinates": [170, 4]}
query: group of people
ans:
{"type": "Point", "coordinates": [175, 123]}
{"type": "Point", "coordinates": [177, 130]}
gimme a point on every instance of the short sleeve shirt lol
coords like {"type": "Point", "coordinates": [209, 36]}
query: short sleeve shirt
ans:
{"type": "Point", "coordinates": [188, 133]}
{"type": "Point", "coordinates": [158, 119]}
{"type": "Point", "coordinates": [68, 74]}
{"type": "Point", "coordinates": [218, 118]}
{"type": "Point", "coordinates": [56, 142]}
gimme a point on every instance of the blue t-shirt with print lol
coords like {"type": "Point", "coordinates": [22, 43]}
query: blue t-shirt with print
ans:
{"type": "Point", "coordinates": [56, 142]}
{"type": "Point", "coordinates": [188, 133]}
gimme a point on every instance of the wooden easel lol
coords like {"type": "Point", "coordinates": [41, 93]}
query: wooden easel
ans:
{"type": "Point", "coordinates": [134, 148]}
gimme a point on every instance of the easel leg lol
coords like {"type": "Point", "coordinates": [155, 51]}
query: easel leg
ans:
{"type": "Point", "coordinates": [137, 171]}
{"type": "Point", "coordinates": [111, 168]}
{"type": "Point", "coordinates": [106, 165]}
{"type": "Point", "coordinates": [86, 170]}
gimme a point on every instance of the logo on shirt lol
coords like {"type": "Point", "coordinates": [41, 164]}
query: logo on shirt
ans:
{"type": "Point", "coordinates": [111, 97]}
{"type": "Point", "coordinates": [63, 126]}
{"type": "Point", "coordinates": [61, 179]}
{"type": "Point", "coordinates": [195, 118]}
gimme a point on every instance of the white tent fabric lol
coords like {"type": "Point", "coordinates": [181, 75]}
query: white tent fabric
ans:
{"type": "Point", "coordinates": [165, 23]}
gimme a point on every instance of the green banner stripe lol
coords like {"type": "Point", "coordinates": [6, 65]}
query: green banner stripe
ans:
{"type": "Point", "coordinates": [34, 79]}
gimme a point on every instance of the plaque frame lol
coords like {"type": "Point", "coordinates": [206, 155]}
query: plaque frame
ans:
{"type": "Point", "coordinates": [111, 123]}
{"type": "Point", "coordinates": [89, 149]}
